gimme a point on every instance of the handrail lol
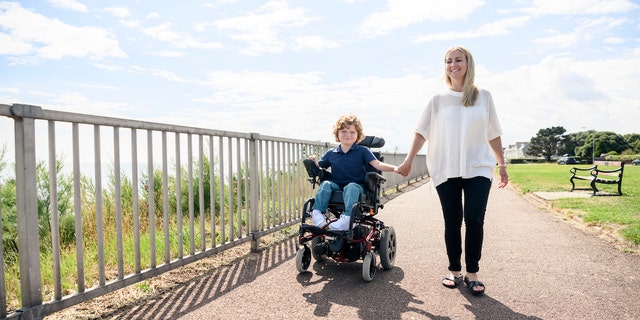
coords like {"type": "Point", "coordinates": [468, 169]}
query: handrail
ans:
{"type": "Point", "coordinates": [212, 190]}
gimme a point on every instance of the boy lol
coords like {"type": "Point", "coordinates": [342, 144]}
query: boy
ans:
{"type": "Point", "coordinates": [348, 171]}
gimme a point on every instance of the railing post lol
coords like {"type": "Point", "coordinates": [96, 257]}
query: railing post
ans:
{"type": "Point", "coordinates": [254, 191]}
{"type": "Point", "coordinates": [27, 203]}
{"type": "Point", "coordinates": [3, 292]}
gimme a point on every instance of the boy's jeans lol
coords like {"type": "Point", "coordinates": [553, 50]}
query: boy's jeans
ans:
{"type": "Point", "coordinates": [351, 194]}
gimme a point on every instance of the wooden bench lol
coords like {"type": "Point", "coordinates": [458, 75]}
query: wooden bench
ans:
{"type": "Point", "coordinates": [596, 175]}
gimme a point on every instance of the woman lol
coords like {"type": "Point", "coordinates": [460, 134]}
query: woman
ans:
{"type": "Point", "coordinates": [462, 132]}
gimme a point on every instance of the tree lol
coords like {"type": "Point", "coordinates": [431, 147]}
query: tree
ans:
{"type": "Point", "coordinates": [607, 142]}
{"type": "Point", "coordinates": [573, 141]}
{"type": "Point", "coordinates": [633, 139]}
{"type": "Point", "coordinates": [584, 143]}
{"type": "Point", "coordinates": [548, 142]}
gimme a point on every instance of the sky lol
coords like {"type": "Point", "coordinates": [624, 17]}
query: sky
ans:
{"type": "Point", "coordinates": [291, 68]}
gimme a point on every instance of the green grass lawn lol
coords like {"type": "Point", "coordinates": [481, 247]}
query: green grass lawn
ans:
{"type": "Point", "coordinates": [616, 211]}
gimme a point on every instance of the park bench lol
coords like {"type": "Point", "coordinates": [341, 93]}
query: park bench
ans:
{"type": "Point", "coordinates": [597, 175]}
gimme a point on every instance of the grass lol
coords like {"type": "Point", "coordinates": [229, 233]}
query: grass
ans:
{"type": "Point", "coordinates": [621, 212]}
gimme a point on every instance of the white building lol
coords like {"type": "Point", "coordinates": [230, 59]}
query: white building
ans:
{"type": "Point", "coordinates": [517, 151]}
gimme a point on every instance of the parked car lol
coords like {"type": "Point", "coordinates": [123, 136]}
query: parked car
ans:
{"type": "Point", "coordinates": [568, 160]}
{"type": "Point", "coordinates": [636, 162]}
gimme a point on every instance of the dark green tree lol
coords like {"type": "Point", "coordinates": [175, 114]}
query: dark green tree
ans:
{"type": "Point", "coordinates": [583, 147]}
{"type": "Point", "coordinates": [548, 142]}
{"type": "Point", "coordinates": [572, 142]}
{"type": "Point", "coordinates": [633, 140]}
{"type": "Point", "coordinates": [609, 142]}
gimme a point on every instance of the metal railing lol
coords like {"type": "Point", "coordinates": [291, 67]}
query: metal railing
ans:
{"type": "Point", "coordinates": [173, 195]}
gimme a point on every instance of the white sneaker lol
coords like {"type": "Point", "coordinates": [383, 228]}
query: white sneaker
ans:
{"type": "Point", "coordinates": [342, 224]}
{"type": "Point", "coordinates": [318, 218]}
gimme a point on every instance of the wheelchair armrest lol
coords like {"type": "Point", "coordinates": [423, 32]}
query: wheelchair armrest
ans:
{"type": "Point", "coordinates": [376, 177]}
{"type": "Point", "coordinates": [374, 180]}
{"type": "Point", "coordinates": [312, 168]}
{"type": "Point", "coordinates": [314, 171]}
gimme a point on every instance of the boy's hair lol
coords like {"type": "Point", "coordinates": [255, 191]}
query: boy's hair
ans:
{"type": "Point", "coordinates": [345, 121]}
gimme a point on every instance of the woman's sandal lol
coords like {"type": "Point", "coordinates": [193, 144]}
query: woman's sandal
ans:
{"type": "Point", "coordinates": [475, 283]}
{"type": "Point", "coordinates": [456, 281]}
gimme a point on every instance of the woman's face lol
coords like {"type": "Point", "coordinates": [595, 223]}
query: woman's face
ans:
{"type": "Point", "coordinates": [456, 66]}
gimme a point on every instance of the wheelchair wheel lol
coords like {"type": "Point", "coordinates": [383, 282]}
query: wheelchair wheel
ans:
{"type": "Point", "coordinates": [369, 267]}
{"type": "Point", "coordinates": [387, 248]}
{"type": "Point", "coordinates": [318, 256]}
{"type": "Point", "coordinates": [303, 259]}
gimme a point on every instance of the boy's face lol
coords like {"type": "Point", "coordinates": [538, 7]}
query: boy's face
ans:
{"type": "Point", "coordinates": [348, 135]}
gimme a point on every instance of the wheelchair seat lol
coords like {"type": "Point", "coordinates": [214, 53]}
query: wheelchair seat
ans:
{"type": "Point", "coordinates": [371, 185]}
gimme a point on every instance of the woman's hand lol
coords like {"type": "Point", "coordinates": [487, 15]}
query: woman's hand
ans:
{"type": "Point", "coordinates": [504, 177]}
{"type": "Point", "coordinates": [404, 169]}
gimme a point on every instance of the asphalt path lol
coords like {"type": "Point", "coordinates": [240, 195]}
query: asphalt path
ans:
{"type": "Point", "coordinates": [534, 265]}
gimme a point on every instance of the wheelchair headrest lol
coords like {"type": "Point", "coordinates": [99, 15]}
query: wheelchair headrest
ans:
{"type": "Point", "coordinates": [372, 142]}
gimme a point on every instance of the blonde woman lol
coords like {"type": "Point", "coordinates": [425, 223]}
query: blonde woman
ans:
{"type": "Point", "coordinates": [462, 132]}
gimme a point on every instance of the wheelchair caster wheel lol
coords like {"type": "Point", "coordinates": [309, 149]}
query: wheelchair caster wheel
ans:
{"type": "Point", "coordinates": [369, 267]}
{"type": "Point", "coordinates": [303, 259]}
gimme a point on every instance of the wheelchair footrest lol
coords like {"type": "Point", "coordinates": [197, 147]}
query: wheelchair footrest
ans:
{"type": "Point", "coordinates": [304, 228]}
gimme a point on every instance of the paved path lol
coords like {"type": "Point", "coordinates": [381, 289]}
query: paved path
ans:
{"type": "Point", "coordinates": [535, 266]}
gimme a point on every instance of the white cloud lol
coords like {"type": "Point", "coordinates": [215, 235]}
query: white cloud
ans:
{"type": "Point", "coordinates": [12, 45]}
{"type": "Point", "coordinates": [545, 7]}
{"type": "Point", "coordinates": [560, 91]}
{"type": "Point", "coordinates": [10, 90]}
{"type": "Point", "coordinates": [614, 40]}
{"type": "Point", "coordinates": [80, 103]}
{"type": "Point", "coordinates": [119, 12]}
{"type": "Point", "coordinates": [497, 28]}
{"type": "Point", "coordinates": [68, 4]}
{"type": "Point", "coordinates": [314, 42]}
{"type": "Point", "coordinates": [53, 39]}
{"type": "Point", "coordinates": [586, 30]}
{"type": "Point", "coordinates": [402, 13]}
{"type": "Point", "coordinates": [559, 40]}
{"type": "Point", "coordinates": [290, 104]}
{"type": "Point", "coordinates": [260, 29]}
{"type": "Point", "coordinates": [169, 54]}
{"type": "Point", "coordinates": [168, 75]}
{"type": "Point", "coordinates": [164, 32]}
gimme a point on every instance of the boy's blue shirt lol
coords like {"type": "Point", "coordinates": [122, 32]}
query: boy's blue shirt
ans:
{"type": "Point", "coordinates": [347, 167]}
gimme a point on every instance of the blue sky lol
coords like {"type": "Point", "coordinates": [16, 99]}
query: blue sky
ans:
{"type": "Point", "coordinates": [291, 68]}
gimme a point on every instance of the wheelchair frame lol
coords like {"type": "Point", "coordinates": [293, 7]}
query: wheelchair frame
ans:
{"type": "Point", "coordinates": [367, 237]}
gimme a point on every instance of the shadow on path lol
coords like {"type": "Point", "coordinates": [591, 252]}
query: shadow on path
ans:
{"type": "Point", "coordinates": [486, 307]}
{"type": "Point", "coordinates": [382, 298]}
{"type": "Point", "coordinates": [199, 291]}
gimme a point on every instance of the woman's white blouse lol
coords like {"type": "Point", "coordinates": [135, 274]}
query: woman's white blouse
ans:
{"type": "Point", "coordinates": [458, 136]}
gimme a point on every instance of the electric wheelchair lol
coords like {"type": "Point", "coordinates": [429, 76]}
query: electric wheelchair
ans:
{"type": "Point", "coordinates": [367, 237]}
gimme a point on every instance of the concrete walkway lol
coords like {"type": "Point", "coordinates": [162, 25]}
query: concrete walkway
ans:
{"type": "Point", "coordinates": [535, 266]}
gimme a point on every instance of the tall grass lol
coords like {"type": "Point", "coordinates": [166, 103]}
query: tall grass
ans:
{"type": "Point", "coordinates": [600, 210]}
{"type": "Point", "coordinates": [285, 180]}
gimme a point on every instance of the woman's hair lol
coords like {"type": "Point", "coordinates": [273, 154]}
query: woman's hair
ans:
{"type": "Point", "coordinates": [469, 90]}
{"type": "Point", "coordinates": [345, 121]}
